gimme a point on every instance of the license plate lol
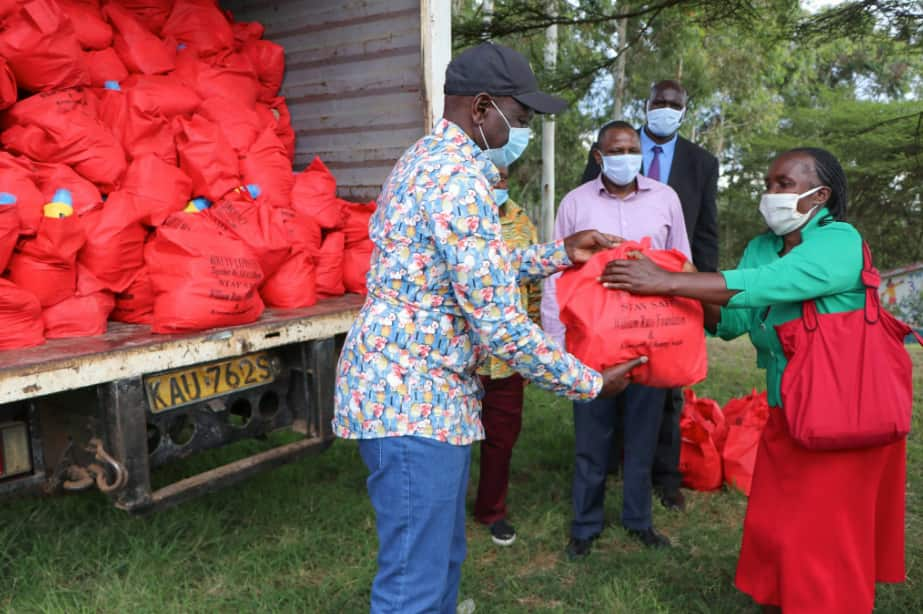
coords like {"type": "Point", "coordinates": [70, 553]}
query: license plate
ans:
{"type": "Point", "coordinates": [166, 391]}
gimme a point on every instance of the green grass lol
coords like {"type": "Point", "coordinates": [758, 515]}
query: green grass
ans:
{"type": "Point", "coordinates": [301, 538]}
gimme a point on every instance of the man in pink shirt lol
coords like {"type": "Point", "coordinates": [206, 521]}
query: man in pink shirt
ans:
{"type": "Point", "coordinates": [623, 202]}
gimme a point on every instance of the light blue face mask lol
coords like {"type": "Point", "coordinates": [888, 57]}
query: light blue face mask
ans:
{"type": "Point", "coordinates": [501, 195]}
{"type": "Point", "coordinates": [515, 145]}
{"type": "Point", "coordinates": [622, 169]}
{"type": "Point", "coordinates": [665, 121]}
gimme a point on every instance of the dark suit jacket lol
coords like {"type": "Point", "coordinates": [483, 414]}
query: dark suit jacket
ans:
{"type": "Point", "coordinates": [694, 178]}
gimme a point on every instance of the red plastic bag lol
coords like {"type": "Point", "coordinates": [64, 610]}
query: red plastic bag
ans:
{"type": "Point", "coordinates": [266, 164]}
{"type": "Point", "coordinates": [247, 31]}
{"type": "Point", "coordinates": [699, 460]}
{"type": "Point", "coordinates": [158, 189]}
{"type": "Point", "coordinates": [64, 127]}
{"type": "Point", "coordinates": [201, 25]}
{"type": "Point", "coordinates": [608, 327]}
{"type": "Point", "coordinates": [141, 51]}
{"type": "Point", "coordinates": [357, 259]}
{"type": "Point", "coordinates": [152, 14]}
{"type": "Point", "coordinates": [8, 91]}
{"type": "Point", "coordinates": [79, 316]}
{"type": "Point", "coordinates": [253, 223]}
{"type": "Point", "coordinates": [294, 285]}
{"type": "Point", "coordinates": [707, 413]}
{"type": "Point", "coordinates": [105, 65]}
{"type": "Point", "coordinates": [314, 194]}
{"type": "Point", "coordinates": [136, 304]}
{"type": "Point", "coordinates": [206, 157]}
{"type": "Point", "coordinates": [16, 174]}
{"type": "Point", "coordinates": [269, 60]}
{"type": "Point", "coordinates": [276, 114]}
{"type": "Point", "coordinates": [330, 266]}
{"type": "Point", "coordinates": [46, 265]}
{"type": "Point", "coordinates": [746, 418]}
{"type": "Point", "coordinates": [50, 178]}
{"type": "Point", "coordinates": [91, 30]}
{"type": "Point", "coordinates": [157, 95]}
{"type": "Point", "coordinates": [114, 250]}
{"type": "Point", "coordinates": [201, 277]}
{"type": "Point", "coordinates": [9, 227]}
{"type": "Point", "coordinates": [239, 123]}
{"type": "Point", "coordinates": [20, 317]}
{"type": "Point", "coordinates": [40, 46]}
{"type": "Point", "coordinates": [227, 75]}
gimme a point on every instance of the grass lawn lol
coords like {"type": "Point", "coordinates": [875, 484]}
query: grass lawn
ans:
{"type": "Point", "coordinates": [302, 538]}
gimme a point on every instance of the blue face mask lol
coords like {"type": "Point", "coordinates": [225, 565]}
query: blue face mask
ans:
{"type": "Point", "coordinates": [515, 145]}
{"type": "Point", "coordinates": [622, 169]}
{"type": "Point", "coordinates": [665, 121]}
{"type": "Point", "coordinates": [501, 195]}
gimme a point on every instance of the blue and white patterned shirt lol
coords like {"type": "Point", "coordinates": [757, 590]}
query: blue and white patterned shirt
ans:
{"type": "Point", "coordinates": [443, 294]}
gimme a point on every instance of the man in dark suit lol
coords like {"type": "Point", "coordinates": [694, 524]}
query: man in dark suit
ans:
{"type": "Point", "coordinates": [693, 173]}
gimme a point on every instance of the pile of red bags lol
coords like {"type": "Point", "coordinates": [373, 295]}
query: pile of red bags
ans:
{"type": "Point", "coordinates": [668, 330]}
{"type": "Point", "coordinates": [146, 174]}
{"type": "Point", "coordinates": [718, 445]}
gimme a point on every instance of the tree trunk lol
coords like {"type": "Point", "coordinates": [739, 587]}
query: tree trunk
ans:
{"type": "Point", "coordinates": [618, 94]}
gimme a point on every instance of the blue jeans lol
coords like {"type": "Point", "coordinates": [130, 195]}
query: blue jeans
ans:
{"type": "Point", "coordinates": [417, 487]}
{"type": "Point", "coordinates": [594, 423]}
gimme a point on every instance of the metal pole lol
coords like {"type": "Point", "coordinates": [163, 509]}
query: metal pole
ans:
{"type": "Point", "coordinates": [547, 224]}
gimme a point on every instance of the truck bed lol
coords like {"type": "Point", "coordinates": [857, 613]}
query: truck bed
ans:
{"type": "Point", "coordinates": [131, 350]}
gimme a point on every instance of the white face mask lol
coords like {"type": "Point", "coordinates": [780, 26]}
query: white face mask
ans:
{"type": "Point", "coordinates": [781, 211]}
{"type": "Point", "coordinates": [622, 169]}
{"type": "Point", "coordinates": [665, 121]}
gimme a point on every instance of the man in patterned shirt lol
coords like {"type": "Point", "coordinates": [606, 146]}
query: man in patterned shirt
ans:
{"type": "Point", "coordinates": [501, 411]}
{"type": "Point", "coordinates": [443, 293]}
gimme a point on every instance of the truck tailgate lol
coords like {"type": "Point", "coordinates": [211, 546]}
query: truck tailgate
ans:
{"type": "Point", "coordinates": [130, 350]}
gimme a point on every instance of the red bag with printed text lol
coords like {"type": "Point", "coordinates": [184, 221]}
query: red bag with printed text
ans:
{"type": "Point", "coordinates": [608, 327]}
{"type": "Point", "coordinates": [201, 277]}
{"type": "Point", "coordinates": [746, 418]}
{"type": "Point", "coordinates": [21, 323]}
{"type": "Point", "coordinates": [253, 223]}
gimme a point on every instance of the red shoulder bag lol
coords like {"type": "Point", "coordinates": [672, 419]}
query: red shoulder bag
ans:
{"type": "Point", "coordinates": [848, 383]}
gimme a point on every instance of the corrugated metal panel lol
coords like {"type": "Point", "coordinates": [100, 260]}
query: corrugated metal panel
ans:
{"type": "Point", "coordinates": [353, 82]}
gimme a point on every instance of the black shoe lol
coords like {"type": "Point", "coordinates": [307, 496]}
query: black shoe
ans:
{"type": "Point", "coordinates": [578, 548]}
{"type": "Point", "coordinates": [502, 533]}
{"type": "Point", "coordinates": [673, 500]}
{"type": "Point", "coordinates": [650, 538]}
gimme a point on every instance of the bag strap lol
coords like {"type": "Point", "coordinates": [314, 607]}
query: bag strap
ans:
{"type": "Point", "coordinates": [871, 279]}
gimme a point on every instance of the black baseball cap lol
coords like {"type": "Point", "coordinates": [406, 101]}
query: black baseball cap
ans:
{"type": "Point", "coordinates": [499, 71]}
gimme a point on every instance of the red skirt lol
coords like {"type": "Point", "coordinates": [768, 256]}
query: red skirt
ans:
{"type": "Point", "coordinates": [822, 527]}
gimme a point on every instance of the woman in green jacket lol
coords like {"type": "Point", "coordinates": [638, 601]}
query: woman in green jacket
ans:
{"type": "Point", "coordinates": [821, 527]}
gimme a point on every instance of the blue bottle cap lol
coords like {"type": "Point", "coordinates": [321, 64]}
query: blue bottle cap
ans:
{"type": "Point", "coordinates": [254, 190]}
{"type": "Point", "coordinates": [112, 85]}
{"type": "Point", "coordinates": [63, 195]}
{"type": "Point", "coordinates": [201, 203]}
{"type": "Point", "coordinates": [7, 199]}
{"type": "Point", "coordinates": [181, 46]}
